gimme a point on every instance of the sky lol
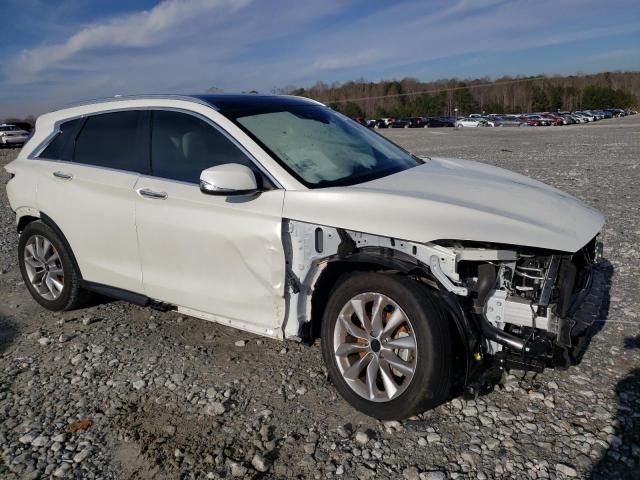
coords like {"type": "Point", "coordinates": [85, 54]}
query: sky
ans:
{"type": "Point", "coordinates": [56, 52]}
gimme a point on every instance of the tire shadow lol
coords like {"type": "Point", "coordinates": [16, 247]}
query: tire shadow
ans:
{"type": "Point", "coordinates": [8, 332]}
{"type": "Point", "coordinates": [621, 461]}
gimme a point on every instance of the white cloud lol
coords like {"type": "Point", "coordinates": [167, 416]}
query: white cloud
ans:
{"type": "Point", "coordinates": [615, 54]}
{"type": "Point", "coordinates": [143, 29]}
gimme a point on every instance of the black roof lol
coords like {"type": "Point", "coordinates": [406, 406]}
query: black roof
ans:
{"type": "Point", "coordinates": [240, 101]}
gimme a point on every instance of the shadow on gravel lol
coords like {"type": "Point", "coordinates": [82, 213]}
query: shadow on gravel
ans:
{"type": "Point", "coordinates": [622, 459]}
{"type": "Point", "coordinates": [8, 332]}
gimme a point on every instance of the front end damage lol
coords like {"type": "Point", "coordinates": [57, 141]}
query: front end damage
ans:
{"type": "Point", "coordinates": [513, 307]}
{"type": "Point", "coordinates": [531, 309]}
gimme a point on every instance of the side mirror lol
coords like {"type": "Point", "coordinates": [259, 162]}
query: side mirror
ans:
{"type": "Point", "coordinates": [228, 179]}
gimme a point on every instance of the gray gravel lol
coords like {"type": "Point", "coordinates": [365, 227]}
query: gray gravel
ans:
{"type": "Point", "coordinates": [117, 391]}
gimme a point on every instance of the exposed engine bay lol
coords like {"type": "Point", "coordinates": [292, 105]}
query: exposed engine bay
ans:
{"type": "Point", "coordinates": [532, 302]}
{"type": "Point", "coordinates": [513, 306]}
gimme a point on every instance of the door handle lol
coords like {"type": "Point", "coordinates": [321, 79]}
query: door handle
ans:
{"type": "Point", "coordinates": [62, 175]}
{"type": "Point", "coordinates": [146, 193]}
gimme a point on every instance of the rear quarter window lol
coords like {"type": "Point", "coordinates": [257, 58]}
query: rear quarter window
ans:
{"type": "Point", "coordinates": [57, 148]}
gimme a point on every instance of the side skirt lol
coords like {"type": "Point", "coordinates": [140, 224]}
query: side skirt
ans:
{"type": "Point", "coordinates": [118, 293]}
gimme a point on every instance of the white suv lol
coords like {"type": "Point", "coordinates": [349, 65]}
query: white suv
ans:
{"type": "Point", "coordinates": [278, 216]}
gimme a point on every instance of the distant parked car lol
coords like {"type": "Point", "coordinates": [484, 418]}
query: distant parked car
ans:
{"type": "Point", "coordinates": [380, 123]}
{"type": "Point", "coordinates": [554, 119]}
{"type": "Point", "coordinates": [607, 113]}
{"type": "Point", "coordinates": [586, 115]}
{"type": "Point", "coordinates": [538, 121]}
{"type": "Point", "coordinates": [449, 121]}
{"type": "Point", "coordinates": [11, 135]}
{"type": "Point", "coordinates": [508, 121]}
{"type": "Point", "coordinates": [429, 122]}
{"type": "Point", "coordinates": [471, 122]}
{"type": "Point", "coordinates": [579, 118]}
{"type": "Point", "coordinates": [399, 123]}
{"type": "Point", "coordinates": [26, 126]}
{"type": "Point", "coordinates": [568, 119]}
{"type": "Point", "coordinates": [617, 112]}
{"type": "Point", "coordinates": [371, 123]}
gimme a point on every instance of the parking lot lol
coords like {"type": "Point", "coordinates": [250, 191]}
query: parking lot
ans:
{"type": "Point", "coordinates": [167, 396]}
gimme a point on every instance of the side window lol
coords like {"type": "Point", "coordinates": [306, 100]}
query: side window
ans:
{"type": "Point", "coordinates": [112, 140]}
{"type": "Point", "coordinates": [57, 148]}
{"type": "Point", "coordinates": [183, 145]}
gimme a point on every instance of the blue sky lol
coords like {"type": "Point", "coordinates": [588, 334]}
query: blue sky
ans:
{"type": "Point", "coordinates": [59, 51]}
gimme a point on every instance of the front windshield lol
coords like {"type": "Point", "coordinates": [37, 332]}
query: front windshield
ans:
{"type": "Point", "coordinates": [320, 147]}
{"type": "Point", "coordinates": [9, 128]}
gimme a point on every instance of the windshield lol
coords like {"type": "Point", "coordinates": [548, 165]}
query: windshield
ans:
{"type": "Point", "coordinates": [320, 147]}
{"type": "Point", "coordinates": [9, 128]}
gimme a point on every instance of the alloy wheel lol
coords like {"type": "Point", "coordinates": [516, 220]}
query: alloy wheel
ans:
{"type": "Point", "coordinates": [43, 267]}
{"type": "Point", "coordinates": [375, 347]}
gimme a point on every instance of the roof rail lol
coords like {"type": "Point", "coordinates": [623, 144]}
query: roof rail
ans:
{"type": "Point", "coordinates": [116, 98]}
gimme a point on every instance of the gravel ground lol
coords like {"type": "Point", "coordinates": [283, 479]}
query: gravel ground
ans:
{"type": "Point", "coordinates": [118, 391]}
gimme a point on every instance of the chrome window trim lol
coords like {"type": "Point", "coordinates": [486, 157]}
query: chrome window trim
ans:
{"type": "Point", "coordinates": [56, 130]}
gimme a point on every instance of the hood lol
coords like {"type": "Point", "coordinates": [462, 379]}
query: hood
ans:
{"type": "Point", "coordinates": [455, 200]}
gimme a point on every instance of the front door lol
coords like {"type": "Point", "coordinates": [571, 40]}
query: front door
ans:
{"type": "Point", "coordinates": [221, 256]}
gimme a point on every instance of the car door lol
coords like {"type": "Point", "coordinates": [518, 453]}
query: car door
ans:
{"type": "Point", "coordinates": [86, 185]}
{"type": "Point", "coordinates": [217, 257]}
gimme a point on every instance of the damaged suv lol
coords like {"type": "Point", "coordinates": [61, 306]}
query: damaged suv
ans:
{"type": "Point", "coordinates": [278, 216]}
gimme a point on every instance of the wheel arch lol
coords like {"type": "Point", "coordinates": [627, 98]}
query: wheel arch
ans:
{"type": "Point", "coordinates": [26, 219]}
{"type": "Point", "coordinates": [367, 259]}
{"type": "Point", "coordinates": [464, 333]}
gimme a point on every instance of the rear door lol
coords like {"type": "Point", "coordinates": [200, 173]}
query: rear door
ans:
{"type": "Point", "coordinates": [217, 257]}
{"type": "Point", "coordinates": [86, 185]}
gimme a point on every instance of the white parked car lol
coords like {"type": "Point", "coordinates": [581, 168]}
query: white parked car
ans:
{"type": "Point", "coordinates": [471, 122]}
{"type": "Point", "coordinates": [11, 135]}
{"type": "Point", "coordinates": [587, 116]}
{"type": "Point", "coordinates": [278, 216]}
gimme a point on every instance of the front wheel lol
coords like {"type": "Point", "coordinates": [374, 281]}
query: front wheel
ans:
{"type": "Point", "coordinates": [387, 345]}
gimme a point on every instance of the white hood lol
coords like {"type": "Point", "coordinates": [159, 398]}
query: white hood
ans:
{"type": "Point", "coordinates": [455, 200]}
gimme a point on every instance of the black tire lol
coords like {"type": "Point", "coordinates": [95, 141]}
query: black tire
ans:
{"type": "Point", "coordinates": [431, 382]}
{"type": "Point", "coordinates": [72, 295]}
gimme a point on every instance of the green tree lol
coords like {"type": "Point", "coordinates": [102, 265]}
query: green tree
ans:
{"type": "Point", "coordinates": [555, 97]}
{"type": "Point", "coordinates": [595, 97]}
{"type": "Point", "coordinates": [539, 99]}
{"type": "Point", "coordinates": [465, 102]}
{"type": "Point", "coordinates": [350, 109]}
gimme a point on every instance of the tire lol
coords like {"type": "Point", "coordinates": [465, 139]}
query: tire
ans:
{"type": "Point", "coordinates": [53, 256]}
{"type": "Point", "coordinates": [394, 395]}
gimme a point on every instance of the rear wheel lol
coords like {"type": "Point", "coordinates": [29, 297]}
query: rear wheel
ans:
{"type": "Point", "coordinates": [48, 269]}
{"type": "Point", "coordinates": [387, 345]}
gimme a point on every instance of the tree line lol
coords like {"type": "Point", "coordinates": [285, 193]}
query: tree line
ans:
{"type": "Point", "coordinates": [410, 97]}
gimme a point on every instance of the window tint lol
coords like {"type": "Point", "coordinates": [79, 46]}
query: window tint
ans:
{"type": "Point", "coordinates": [111, 140]}
{"type": "Point", "coordinates": [57, 148]}
{"type": "Point", "coordinates": [182, 146]}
